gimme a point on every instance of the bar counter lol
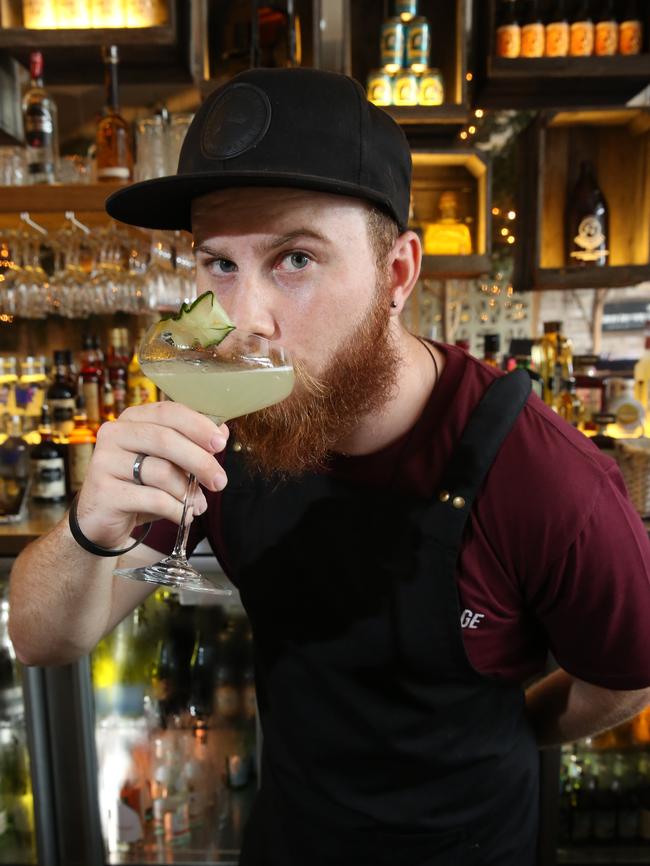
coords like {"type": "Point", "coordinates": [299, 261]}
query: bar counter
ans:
{"type": "Point", "coordinates": [39, 519]}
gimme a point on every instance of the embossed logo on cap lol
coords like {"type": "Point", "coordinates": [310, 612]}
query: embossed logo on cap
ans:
{"type": "Point", "coordinates": [238, 120]}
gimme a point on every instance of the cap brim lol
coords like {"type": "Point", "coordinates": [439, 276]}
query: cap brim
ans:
{"type": "Point", "coordinates": [166, 202]}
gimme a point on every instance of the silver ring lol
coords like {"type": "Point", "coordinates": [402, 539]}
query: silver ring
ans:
{"type": "Point", "coordinates": [137, 469]}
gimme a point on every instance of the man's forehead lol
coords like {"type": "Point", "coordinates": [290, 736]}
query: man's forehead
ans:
{"type": "Point", "coordinates": [261, 207]}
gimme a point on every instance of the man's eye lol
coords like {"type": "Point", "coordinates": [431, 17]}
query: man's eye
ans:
{"type": "Point", "coordinates": [297, 260]}
{"type": "Point", "coordinates": [224, 266]}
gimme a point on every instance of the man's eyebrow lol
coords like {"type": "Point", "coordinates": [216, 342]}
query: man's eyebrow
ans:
{"type": "Point", "coordinates": [274, 243]}
{"type": "Point", "coordinates": [287, 238]}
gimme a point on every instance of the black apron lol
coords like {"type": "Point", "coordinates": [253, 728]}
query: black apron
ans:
{"type": "Point", "coordinates": [382, 744]}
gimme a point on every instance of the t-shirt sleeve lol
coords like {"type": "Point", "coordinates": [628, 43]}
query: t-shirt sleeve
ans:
{"type": "Point", "coordinates": [162, 535]}
{"type": "Point", "coordinates": [595, 601]}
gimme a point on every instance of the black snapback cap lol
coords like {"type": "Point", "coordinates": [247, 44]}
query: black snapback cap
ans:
{"type": "Point", "coordinates": [301, 127]}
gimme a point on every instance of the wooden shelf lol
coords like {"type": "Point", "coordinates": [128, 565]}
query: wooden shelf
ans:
{"type": "Point", "coordinates": [455, 267]}
{"type": "Point", "coordinates": [56, 198]}
{"type": "Point", "coordinates": [553, 82]}
{"type": "Point", "coordinates": [617, 142]}
{"type": "Point", "coordinates": [618, 276]}
{"type": "Point", "coordinates": [467, 173]}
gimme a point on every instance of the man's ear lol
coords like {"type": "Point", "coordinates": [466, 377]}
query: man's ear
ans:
{"type": "Point", "coordinates": [404, 264]}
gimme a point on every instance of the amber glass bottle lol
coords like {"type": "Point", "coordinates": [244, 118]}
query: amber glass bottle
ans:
{"type": "Point", "coordinates": [113, 139]}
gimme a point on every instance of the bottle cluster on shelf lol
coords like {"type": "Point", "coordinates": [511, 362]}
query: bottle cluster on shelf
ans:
{"type": "Point", "coordinates": [605, 788]}
{"type": "Point", "coordinates": [603, 405]}
{"type": "Point", "coordinates": [176, 717]}
{"type": "Point", "coordinates": [49, 419]}
{"type": "Point", "coordinates": [568, 29]}
{"type": "Point", "coordinates": [119, 153]}
{"type": "Point", "coordinates": [84, 14]}
{"type": "Point", "coordinates": [404, 76]}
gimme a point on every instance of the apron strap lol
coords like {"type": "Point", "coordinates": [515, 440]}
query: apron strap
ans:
{"type": "Point", "coordinates": [480, 442]}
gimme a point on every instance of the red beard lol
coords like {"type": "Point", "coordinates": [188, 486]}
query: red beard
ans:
{"type": "Point", "coordinates": [298, 434]}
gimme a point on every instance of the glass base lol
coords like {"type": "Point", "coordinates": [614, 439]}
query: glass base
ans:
{"type": "Point", "coordinates": [174, 572]}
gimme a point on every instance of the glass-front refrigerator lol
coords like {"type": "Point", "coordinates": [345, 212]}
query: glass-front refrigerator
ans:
{"type": "Point", "coordinates": [604, 797]}
{"type": "Point", "coordinates": [174, 730]}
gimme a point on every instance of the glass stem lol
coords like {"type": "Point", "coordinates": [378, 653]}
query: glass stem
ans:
{"type": "Point", "coordinates": [186, 519]}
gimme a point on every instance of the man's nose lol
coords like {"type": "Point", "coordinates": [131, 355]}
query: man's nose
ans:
{"type": "Point", "coordinates": [251, 310]}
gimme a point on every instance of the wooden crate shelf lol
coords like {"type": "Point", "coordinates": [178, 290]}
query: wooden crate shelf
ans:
{"type": "Point", "coordinates": [466, 172]}
{"type": "Point", "coordinates": [448, 24]}
{"type": "Point", "coordinates": [553, 82]}
{"type": "Point", "coordinates": [617, 142]}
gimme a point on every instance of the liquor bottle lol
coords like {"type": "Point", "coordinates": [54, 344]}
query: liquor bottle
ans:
{"type": "Point", "coordinates": [108, 403]}
{"type": "Point", "coordinates": [524, 362]}
{"type": "Point", "coordinates": [167, 688]}
{"type": "Point", "coordinates": [643, 770]}
{"type": "Point", "coordinates": [606, 43]}
{"type": "Point", "coordinates": [113, 139]}
{"type": "Point", "coordinates": [630, 30]}
{"type": "Point", "coordinates": [601, 438]}
{"type": "Point", "coordinates": [567, 404]}
{"type": "Point", "coordinates": [587, 221]}
{"type": "Point", "coordinates": [117, 362]}
{"type": "Point", "coordinates": [140, 388]}
{"type": "Point", "coordinates": [11, 695]}
{"type": "Point", "coordinates": [621, 402]}
{"type": "Point", "coordinates": [508, 31]}
{"type": "Point", "coordinates": [491, 346]}
{"type": "Point", "coordinates": [549, 350]}
{"type": "Point", "coordinates": [406, 9]}
{"type": "Point", "coordinates": [589, 388]}
{"type": "Point", "coordinates": [61, 396]}
{"type": "Point", "coordinates": [202, 668]}
{"type": "Point", "coordinates": [14, 454]}
{"type": "Point", "coordinates": [581, 35]}
{"type": "Point", "coordinates": [47, 466]}
{"type": "Point", "coordinates": [8, 379]}
{"type": "Point", "coordinates": [447, 235]}
{"type": "Point", "coordinates": [532, 31]}
{"type": "Point", "coordinates": [16, 798]}
{"type": "Point", "coordinates": [30, 391]}
{"type": "Point", "coordinates": [556, 43]}
{"type": "Point", "coordinates": [642, 374]}
{"type": "Point", "coordinates": [91, 376]}
{"type": "Point", "coordinates": [40, 125]}
{"type": "Point", "coordinates": [81, 443]}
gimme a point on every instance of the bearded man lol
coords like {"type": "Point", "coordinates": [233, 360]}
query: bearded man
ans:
{"type": "Point", "coordinates": [410, 531]}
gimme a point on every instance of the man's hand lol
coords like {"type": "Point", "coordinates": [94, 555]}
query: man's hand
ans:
{"type": "Point", "coordinates": [562, 709]}
{"type": "Point", "coordinates": [177, 441]}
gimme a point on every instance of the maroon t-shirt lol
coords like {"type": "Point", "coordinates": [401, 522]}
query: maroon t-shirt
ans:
{"type": "Point", "coordinates": [554, 555]}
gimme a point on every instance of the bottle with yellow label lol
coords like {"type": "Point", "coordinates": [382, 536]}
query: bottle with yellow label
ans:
{"type": "Point", "coordinates": [448, 235]}
{"type": "Point", "coordinates": [81, 444]}
{"type": "Point", "coordinates": [532, 31]}
{"type": "Point", "coordinates": [140, 389]}
{"type": "Point", "coordinates": [581, 36]}
{"type": "Point", "coordinates": [557, 31]}
{"type": "Point", "coordinates": [606, 30]}
{"type": "Point", "coordinates": [630, 31]}
{"type": "Point", "coordinates": [508, 31]}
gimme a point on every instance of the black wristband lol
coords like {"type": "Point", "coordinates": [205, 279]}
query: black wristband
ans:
{"type": "Point", "coordinates": [89, 545]}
